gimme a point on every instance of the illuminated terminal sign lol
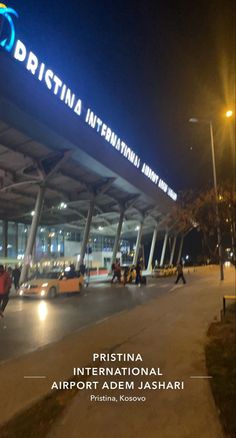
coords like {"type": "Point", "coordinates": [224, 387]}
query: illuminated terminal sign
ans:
{"type": "Point", "coordinates": [60, 89]}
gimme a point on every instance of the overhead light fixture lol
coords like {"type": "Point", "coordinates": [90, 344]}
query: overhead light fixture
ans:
{"type": "Point", "coordinates": [62, 206]}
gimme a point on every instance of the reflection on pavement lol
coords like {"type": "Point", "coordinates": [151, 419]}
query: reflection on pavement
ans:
{"type": "Point", "coordinates": [30, 324]}
{"type": "Point", "coordinates": [42, 310]}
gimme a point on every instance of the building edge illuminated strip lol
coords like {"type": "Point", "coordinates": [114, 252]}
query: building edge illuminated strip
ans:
{"type": "Point", "coordinates": [66, 95]}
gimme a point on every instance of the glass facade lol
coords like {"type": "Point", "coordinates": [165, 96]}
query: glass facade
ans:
{"type": "Point", "coordinates": [22, 239]}
{"type": "Point", "coordinates": [49, 243]}
{"type": "Point", "coordinates": [41, 243]}
{"type": "Point", "coordinates": [101, 243]}
{"type": "Point", "coordinates": [12, 240]}
{"type": "Point", "coordinates": [106, 243]}
{"type": "Point", "coordinates": [56, 242]}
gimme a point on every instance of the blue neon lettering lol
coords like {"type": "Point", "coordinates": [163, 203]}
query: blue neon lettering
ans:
{"type": "Point", "coordinates": [8, 43]}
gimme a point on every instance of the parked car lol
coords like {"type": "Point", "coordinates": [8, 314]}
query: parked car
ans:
{"type": "Point", "coordinates": [164, 272]}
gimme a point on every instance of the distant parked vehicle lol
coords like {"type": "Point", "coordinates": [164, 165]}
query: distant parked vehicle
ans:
{"type": "Point", "coordinates": [164, 272]}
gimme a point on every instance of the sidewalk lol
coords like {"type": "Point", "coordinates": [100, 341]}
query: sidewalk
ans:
{"type": "Point", "coordinates": [169, 332]}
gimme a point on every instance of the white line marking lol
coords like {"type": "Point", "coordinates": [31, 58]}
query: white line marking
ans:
{"type": "Point", "coordinates": [34, 377]}
{"type": "Point", "coordinates": [177, 286]}
{"type": "Point", "coordinates": [102, 320]}
{"type": "Point", "coordinates": [200, 377]}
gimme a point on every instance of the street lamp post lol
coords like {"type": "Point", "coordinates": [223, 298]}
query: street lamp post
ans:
{"type": "Point", "coordinates": [219, 241]}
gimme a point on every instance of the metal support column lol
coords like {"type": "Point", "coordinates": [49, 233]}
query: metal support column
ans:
{"type": "Point", "coordinates": [5, 238]}
{"type": "Point", "coordinates": [32, 233]}
{"type": "Point", "coordinates": [16, 239]}
{"type": "Point", "coordinates": [180, 248]}
{"type": "Point", "coordinates": [25, 238]}
{"type": "Point", "coordinates": [48, 240]}
{"type": "Point", "coordinates": [172, 250]}
{"type": "Point", "coordinates": [164, 249]}
{"type": "Point", "coordinates": [218, 230]}
{"type": "Point", "coordinates": [153, 244]}
{"type": "Point", "coordinates": [86, 231]}
{"type": "Point", "coordinates": [138, 241]}
{"type": "Point", "coordinates": [118, 233]}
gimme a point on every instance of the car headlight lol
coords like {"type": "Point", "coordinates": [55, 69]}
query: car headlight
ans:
{"type": "Point", "coordinates": [42, 293]}
{"type": "Point", "coordinates": [24, 285]}
{"type": "Point", "coordinates": [44, 284]}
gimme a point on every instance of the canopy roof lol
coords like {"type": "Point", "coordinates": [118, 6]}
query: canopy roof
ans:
{"type": "Point", "coordinates": [40, 138]}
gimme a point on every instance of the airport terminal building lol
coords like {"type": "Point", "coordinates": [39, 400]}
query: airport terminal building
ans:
{"type": "Point", "coordinates": [71, 187]}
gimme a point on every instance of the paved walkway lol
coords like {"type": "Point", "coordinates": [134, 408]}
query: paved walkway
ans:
{"type": "Point", "coordinates": [169, 332]}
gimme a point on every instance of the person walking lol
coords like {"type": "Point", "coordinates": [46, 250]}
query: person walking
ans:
{"type": "Point", "coordinates": [116, 272]}
{"type": "Point", "coordinates": [113, 267]}
{"type": "Point", "coordinates": [138, 269]}
{"type": "Point", "coordinates": [16, 277]}
{"type": "Point", "coordinates": [180, 273]}
{"type": "Point", "coordinates": [5, 286]}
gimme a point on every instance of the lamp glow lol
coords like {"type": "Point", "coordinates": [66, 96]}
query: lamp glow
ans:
{"type": "Point", "coordinates": [229, 113]}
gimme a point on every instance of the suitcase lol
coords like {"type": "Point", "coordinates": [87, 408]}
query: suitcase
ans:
{"type": "Point", "coordinates": [144, 280]}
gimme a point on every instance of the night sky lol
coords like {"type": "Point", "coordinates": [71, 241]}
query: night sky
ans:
{"type": "Point", "coordinates": [146, 68]}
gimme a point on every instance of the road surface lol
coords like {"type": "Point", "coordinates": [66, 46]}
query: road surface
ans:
{"type": "Point", "coordinates": [30, 324]}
